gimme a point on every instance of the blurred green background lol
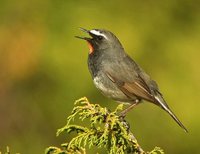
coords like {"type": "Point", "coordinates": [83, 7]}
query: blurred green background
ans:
{"type": "Point", "coordinates": [43, 68]}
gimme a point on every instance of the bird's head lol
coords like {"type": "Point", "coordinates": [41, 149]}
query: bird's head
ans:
{"type": "Point", "coordinates": [100, 39]}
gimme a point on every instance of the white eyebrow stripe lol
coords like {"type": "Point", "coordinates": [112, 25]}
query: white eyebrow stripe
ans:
{"type": "Point", "coordinates": [95, 32]}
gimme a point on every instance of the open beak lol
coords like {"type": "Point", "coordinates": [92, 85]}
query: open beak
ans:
{"type": "Point", "coordinates": [84, 30]}
{"type": "Point", "coordinates": [84, 38]}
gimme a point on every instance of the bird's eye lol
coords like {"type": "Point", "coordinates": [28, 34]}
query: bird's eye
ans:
{"type": "Point", "coordinates": [100, 37]}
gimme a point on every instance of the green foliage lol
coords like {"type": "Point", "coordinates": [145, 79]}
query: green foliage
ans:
{"type": "Point", "coordinates": [107, 130]}
{"type": "Point", "coordinates": [7, 151]}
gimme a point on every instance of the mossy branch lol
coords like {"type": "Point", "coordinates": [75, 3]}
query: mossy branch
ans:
{"type": "Point", "coordinates": [107, 130]}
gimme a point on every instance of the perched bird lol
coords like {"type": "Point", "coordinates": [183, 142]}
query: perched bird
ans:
{"type": "Point", "coordinates": [118, 76]}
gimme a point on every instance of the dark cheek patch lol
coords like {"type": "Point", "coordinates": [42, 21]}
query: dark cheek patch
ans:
{"type": "Point", "coordinates": [91, 48]}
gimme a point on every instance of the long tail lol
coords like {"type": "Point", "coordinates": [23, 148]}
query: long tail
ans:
{"type": "Point", "coordinates": [165, 107]}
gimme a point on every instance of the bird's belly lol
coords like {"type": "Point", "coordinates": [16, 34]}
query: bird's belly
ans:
{"type": "Point", "coordinates": [109, 89]}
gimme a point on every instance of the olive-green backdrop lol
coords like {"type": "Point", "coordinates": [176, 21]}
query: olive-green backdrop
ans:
{"type": "Point", "coordinates": [43, 68]}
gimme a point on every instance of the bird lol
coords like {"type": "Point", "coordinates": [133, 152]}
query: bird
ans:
{"type": "Point", "coordinates": [118, 76]}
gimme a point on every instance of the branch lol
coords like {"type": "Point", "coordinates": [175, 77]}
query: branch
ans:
{"type": "Point", "coordinates": [107, 130]}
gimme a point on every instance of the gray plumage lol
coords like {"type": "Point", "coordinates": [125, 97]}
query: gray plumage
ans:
{"type": "Point", "coordinates": [118, 76]}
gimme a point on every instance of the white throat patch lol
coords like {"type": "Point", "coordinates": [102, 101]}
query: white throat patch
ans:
{"type": "Point", "coordinates": [95, 32]}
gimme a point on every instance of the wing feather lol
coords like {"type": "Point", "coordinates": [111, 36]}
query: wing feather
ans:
{"type": "Point", "coordinates": [137, 88]}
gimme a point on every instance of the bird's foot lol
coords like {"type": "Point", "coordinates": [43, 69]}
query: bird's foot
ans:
{"type": "Point", "coordinates": [122, 114]}
{"type": "Point", "coordinates": [126, 110]}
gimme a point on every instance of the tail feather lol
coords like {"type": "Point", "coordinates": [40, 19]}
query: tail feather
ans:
{"type": "Point", "coordinates": [164, 106]}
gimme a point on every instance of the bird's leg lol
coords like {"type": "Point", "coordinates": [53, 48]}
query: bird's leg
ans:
{"type": "Point", "coordinates": [123, 113]}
